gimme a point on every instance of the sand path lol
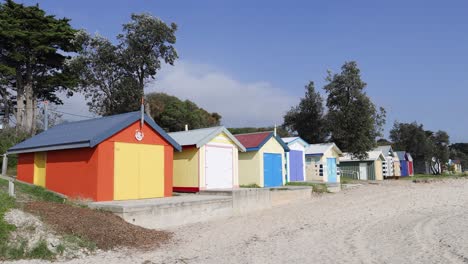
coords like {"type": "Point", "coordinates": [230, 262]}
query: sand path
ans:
{"type": "Point", "coordinates": [394, 222]}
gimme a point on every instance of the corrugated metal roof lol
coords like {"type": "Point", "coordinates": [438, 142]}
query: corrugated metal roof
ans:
{"type": "Point", "coordinates": [291, 140]}
{"type": "Point", "coordinates": [386, 150]}
{"type": "Point", "coordinates": [320, 149]}
{"type": "Point", "coordinates": [200, 137]}
{"type": "Point", "coordinates": [85, 133]}
{"type": "Point", "coordinates": [372, 156]}
{"type": "Point", "coordinates": [254, 141]}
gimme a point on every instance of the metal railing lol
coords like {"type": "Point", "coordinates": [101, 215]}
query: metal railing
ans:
{"type": "Point", "coordinates": [350, 174]}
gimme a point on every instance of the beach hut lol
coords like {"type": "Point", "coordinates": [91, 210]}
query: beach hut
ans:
{"type": "Point", "coordinates": [409, 158]}
{"type": "Point", "coordinates": [403, 163]}
{"type": "Point", "coordinates": [387, 164]}
{"type": "Point", "coordinates": [322, 161]}
{"type": "Point", "coordinates": [209, 160]}
{"type": "Point", "coordinates": [396, 165]}
{"type": "Point", "coordinates": [264, 161]}
{"type": "Point", "coordinates": [366, 169]}
{"type": "Point", "coordinates": [119, 157]}
{"type": "Point", "coordinates": [295, 158]}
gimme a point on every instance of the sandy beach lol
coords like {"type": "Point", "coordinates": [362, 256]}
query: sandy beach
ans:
{"type": "Point", "coordinates": [391, 222]}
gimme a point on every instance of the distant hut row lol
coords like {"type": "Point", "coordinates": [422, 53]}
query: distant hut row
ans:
{"type": "Point", "coordinates": [128, 156]}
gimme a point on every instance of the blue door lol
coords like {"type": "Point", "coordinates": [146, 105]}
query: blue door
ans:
{"type": "Point", "coordinates": [331, 169]}
{"type": "Point", "coordinates": [296, 165]}
{"type": "Point", "coordinates": [404, 168]}
{"type": "Point", "coordinates": [272, 170]}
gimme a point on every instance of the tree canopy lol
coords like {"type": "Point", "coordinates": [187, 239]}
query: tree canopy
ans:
{"type": "Point", "coordinates": [353, 120]}
{"type": "Point", "coordinates": [33, 48]}
{"type": "Point", "coordinates": [425, 146]}
{"type": "Point", "coordinates": [113, 76]}
{"type": "Point", "coordinates": [307, 119]}
{"type": "Point", "coordinates": [172, 114]}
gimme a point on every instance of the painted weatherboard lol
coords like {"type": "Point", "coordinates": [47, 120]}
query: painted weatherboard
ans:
{"type": "Point", "coordinates": [40, 168]}
{"type": "Point", "coordinates": [272, 169]}
{"type": "Point", "coordinates": [396, 166]}
{"type": "Point", "coordinates": [296, 166]}
{"type": "Point", "coordinates": [331, 170]}
{"type": "Point", "coordinates": [91, 172]}
{"type": "Point", "coordinates": [362, 170]}
{"type": "Point", "coordinates": [209, 160]}
{"type": "Point", "coordinates": [295, 159]}
{"type": "Point", "coordinates": [138, 171]}
{"type": "Point", "coordinates": [316, 157]}
{"type": "Point", "coordinates": [369, 169]}
{"type": "Point", "coordinates": [219, 172]}
{"type": "Point", "coordinates": [404, 168]}
{"type": "Point", "coordinates": [387, 164]}
{"type": "Point", "coordinates": [252, 169]}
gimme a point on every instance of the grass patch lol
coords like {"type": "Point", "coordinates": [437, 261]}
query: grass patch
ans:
{"type": "Point", "coordinates": [316, 187]}
{"type": "Point", "coordinates": [253, 185]}
{"type": "Point", "coordinates": [431, 176]}
{"type": "Point", "coordinates": [33, 192]}
{"type": "Point", "coordinates": [40, 251]}
{"type": "Point", "coordinates": [79, 242]}
{"type": "Point", "coordinates": [6, 203]}
{"type": "Point", "coordinates": [347, 180]}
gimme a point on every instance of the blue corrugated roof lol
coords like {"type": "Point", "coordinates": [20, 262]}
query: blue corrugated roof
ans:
{"type": "Point", "coordinates": [86, 133]}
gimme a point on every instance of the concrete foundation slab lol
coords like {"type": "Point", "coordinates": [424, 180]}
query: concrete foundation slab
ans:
{"type": "Point", "coordinates": [207, 205]}
{"type": "Point", "coordinates": [170, 211]}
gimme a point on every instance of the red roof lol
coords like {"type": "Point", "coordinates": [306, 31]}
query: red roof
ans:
{"type": "Point", "coordinates": [252, 140]}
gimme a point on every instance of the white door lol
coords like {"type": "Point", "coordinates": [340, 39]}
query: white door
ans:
{"type": "Point", "coordinates": [363, 171]}
{"type": "Point", "coordinates": [218, 167]}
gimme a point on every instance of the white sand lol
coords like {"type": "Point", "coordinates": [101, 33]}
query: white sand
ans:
{"type": "Point", "coordinates": [395, 222]}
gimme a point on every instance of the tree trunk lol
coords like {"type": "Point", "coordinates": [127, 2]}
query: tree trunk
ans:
{"type": "Point", "coordinates": [30, 103]}
{"type": "Point", "coordinates": [20, 111]}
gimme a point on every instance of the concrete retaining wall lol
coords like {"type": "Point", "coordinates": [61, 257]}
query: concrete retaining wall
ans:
{"type": "Point", "coordinates": [248, 200]}
{"type": "Point", "coordinates": [164, 212]}
{"type": "Point", "coordinates": [209, 205]}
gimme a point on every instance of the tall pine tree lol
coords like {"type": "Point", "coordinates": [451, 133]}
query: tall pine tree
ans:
{"type": "Point", "coordinates": [33, 48]}
{"type": "Point", "coordinates": [307, 118]}
{"type": "Point", "coordinates": [353, 119]}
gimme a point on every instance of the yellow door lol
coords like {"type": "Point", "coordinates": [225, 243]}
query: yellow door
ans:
{"type": "Point", "coordinates": [40, 168]}
{"type": "Point", "coordinates": [138, 171]}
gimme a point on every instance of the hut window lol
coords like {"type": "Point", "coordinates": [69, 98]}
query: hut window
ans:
{"type": "Point", "coordinates": [321, 170]}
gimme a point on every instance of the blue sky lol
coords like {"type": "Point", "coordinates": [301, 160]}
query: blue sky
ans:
{"type": "Point", "coordinates": [412, 54]}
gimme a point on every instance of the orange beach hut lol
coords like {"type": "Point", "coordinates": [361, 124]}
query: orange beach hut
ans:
{"type": "Point", "coordinates": [119, 157]}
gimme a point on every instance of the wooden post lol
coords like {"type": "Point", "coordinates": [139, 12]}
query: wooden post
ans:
{"type": "Point", "coordinates": [11, 181]}
{"type": "Point", "coordinates": [11, 188]}
{"type": "Point", "coordinates": [4, 165]}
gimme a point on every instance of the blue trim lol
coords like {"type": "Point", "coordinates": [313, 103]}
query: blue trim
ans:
{"type": "Point", "coordinates": [315, 154]}
{"type": "Point", "coordinates": [280, 141]}
{"type": "Point", "coordinates": [285, 147]}
{"type": "Point", "coordinates": [252, 149]}
{"type": "Point", "coordinates": [304, 143]}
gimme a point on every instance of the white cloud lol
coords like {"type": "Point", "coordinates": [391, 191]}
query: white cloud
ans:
{"type": "Point", "coordinates": [239, 103]}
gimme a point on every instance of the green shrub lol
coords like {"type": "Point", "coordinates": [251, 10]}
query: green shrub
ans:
{"type": "Point", "coordinates": [8, 138]}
